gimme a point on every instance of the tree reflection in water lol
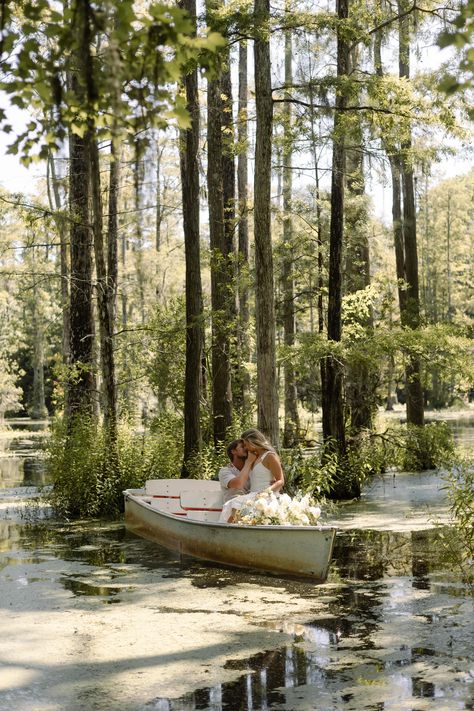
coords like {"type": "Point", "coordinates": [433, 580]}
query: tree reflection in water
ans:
{"type": "Point", "coordinates": [369, 644]}
{"type": "Point", "coordinates": [392, 621]}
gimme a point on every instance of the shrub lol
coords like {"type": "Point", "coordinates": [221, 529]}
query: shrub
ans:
{"type": "Point", "coordinates": [89, 474]}
{"type": "Point", "coordinates": [306, 472]}
{"type": "Point", "coordinates": [460, 490]}
{"type": "Point", "coordinates": [427, 447]}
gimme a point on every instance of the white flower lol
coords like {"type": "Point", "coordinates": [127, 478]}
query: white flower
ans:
{"type": "Point", "coordinates": [266, 508]}
{"type": "Point", "coordinates": [272, 508]}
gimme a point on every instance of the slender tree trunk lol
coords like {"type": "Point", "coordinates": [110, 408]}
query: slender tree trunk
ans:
{"type": "Point", "coordinates": [320, 271]}
{"type": "Point", "coordinates": [139, 266]}
{"type": "Point", "coordinates": [361, 381]}
{"type": "Point", "coordinates": [113, 232]}
{"type": "Point", "coordinates": [189, 147]}
{"type": "Point", "coordinates": [411, 315]}
{"type": "Point", "coordinates": [333, 417]}
{"type": "Point", "coordinates": [449, 314]}
{"type": "Point", "coordinates": [81, 386]}
{"type": "Point", "coordinates": [395, 170]}
{"type": "Point", "coordinates": [291, 425]}
{"type": "Point", "coordinates": [397, 222]}
{"type": "Point", "coordinates": [57, 207]}
{"type": "Point", "coordinates": [243, 342]}
{"type": "Point", "coordinates": [38, 405]}
{"type": "Point", "coordinates": [221, 372]}
{"type": "Point", "coordinates": [228, 161]}
{"type": "Point", "coordinates": [267, 390]}
{"type": "Point", "coordinates": [220, 188]}
{"type": "Point", "coordinates": [107, 359]}
{"type": "Point", "coordinates": [159, 207]}
{"type": "Point", "coordinates": [229, 197]}
{"type": "Point", "coordinates": [404, 224]}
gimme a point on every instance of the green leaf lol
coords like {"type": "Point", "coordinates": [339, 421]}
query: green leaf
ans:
{"type": "Point", "coordinates": [78, 129]}
{"type": "Point", "coordinates": [181, 114]}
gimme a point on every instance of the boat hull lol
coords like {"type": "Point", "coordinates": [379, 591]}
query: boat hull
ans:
{"type": "Point", "coordinates": [302, 551]}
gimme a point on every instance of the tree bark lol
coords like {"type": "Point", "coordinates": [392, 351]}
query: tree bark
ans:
{"type": "Point", "coordinates": [361, 381]}
{"type": "Point", "coordinates": [410, 316]}
{"type": "Point", "coordinates": [320, 269]}
{"type": "Point", "coordinates": [267, 391]}
{"type": "Point", "coordinates": [243, 342]}
{"type": "Point", "coordinates": [221, 188]}
{"type": "Point", "coordinates": [104, 296]}
{"type": "Point", "coordinates": [113, 232]}
{"type": "Point", "coordinates": [291, 423]}
{"type": "Point", "coordinates": [81, 386]}
{"type": "Point", "coordinates": [57, 207]}
{"type": "Point", "coordinates": [333, 416]}
{"type": "Point", "coordinates": [189, 146]}
{"type": "Point", "coordinates": [220, 294]}
{"type": "Point", "coordinates": [159, 207]}
{"type": "Point", "coordinates": [404, 224]}
{"type": "Point", "coordinates": [38, 405]}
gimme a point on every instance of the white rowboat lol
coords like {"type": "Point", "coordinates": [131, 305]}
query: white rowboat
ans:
{"type": "Point", "coordinates": [182, 514]}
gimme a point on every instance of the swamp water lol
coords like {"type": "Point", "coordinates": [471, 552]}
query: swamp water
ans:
{"type": "Point", "coordinates": [96, 618]}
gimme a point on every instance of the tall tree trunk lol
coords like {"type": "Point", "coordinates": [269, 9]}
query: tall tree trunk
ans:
{"type": "Point", "coordinates": [113, 232]}
{"type": "Point", "coordinates": [361, 381]}
{"type": "Point", "coordinates": [229, 196]}
{"type": "Point", "coordinates": [57, 207]}
{"type": "Point", "coordinates": [104, 300]}
{"type": "Point", "coordinates": [291, 423]}
{"type": "Point", "coordinates": [38, 406]}
{"type": "Point", "coordinates": [404, 225]}
{"type": "Point", "coordinates": [333, 419]}
{"type": "Point", "coordinates": [139, 266]}
{"type": "Point", "coordinates": [395, 171]}
{"type": "Point", "coordinates": [159, 207]}
{"type": "Point", "coordinates": [189, 146]}
{"type": "Point", "coordinates": [221, 372]}
{"type": "Point", "coordinates": [91, 155]}
{"type": "Point", "coordinates": [81, 386]}
{"type": "Point", "coordinates": [243, 343]}
{"type": "Point", "coordinates": [267, 390]}
{"type": "Point", "coordinates": [221, 253]}
{"type": "Point", "coordinates": [320, 269]}
{"type": "Point", "coordinates": [411, 315]}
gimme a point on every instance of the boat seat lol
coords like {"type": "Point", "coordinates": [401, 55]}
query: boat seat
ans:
{"type": "Point", "coordinates": [171, 488]}
{"type": "Point", "coordinates": [202, 505]}
{"type": "Point", "coordinates": [168, 504]}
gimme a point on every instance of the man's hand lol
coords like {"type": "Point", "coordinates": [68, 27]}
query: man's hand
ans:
{"type": "Point", "coordinates": [251, 457]}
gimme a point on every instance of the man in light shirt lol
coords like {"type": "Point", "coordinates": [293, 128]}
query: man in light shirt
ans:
{"type": "Point", "coordinates": [231, 480]}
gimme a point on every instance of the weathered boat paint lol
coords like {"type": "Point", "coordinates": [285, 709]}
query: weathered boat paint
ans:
{"type": "Point", "coordinates": [302, 551]}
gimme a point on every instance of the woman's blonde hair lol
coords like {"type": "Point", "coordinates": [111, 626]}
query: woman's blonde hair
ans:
{"type": "Point", "coordinates": [258, 439]}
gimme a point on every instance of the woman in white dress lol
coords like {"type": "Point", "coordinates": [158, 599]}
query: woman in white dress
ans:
{"type": "Point", "coordinates": [262, 470]}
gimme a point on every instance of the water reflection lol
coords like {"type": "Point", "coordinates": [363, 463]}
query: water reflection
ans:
{"type": "Point", "coordinates": [391, 629]}
{"type": "Point", "coordinates": [21, 461]}
{"type": "Point", "coordinates": [342, 651]}
{"type": "Point", "coordinates": [271, 678]}
{"type": "Point", "coordinates": [381, 629]}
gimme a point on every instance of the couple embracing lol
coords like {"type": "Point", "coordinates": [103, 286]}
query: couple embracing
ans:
{"type": "Point", "coordinates": [254, 466]}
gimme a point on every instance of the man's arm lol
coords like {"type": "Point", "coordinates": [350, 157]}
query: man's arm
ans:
{"type": "Point", "coordinates": [241, 480]}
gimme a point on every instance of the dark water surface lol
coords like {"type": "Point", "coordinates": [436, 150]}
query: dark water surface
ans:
{"type": "Point", "coordinates": [97, 619]}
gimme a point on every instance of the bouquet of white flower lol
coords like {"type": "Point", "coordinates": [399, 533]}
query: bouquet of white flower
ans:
{"type": "Point", "coordinates": [268, 509]}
